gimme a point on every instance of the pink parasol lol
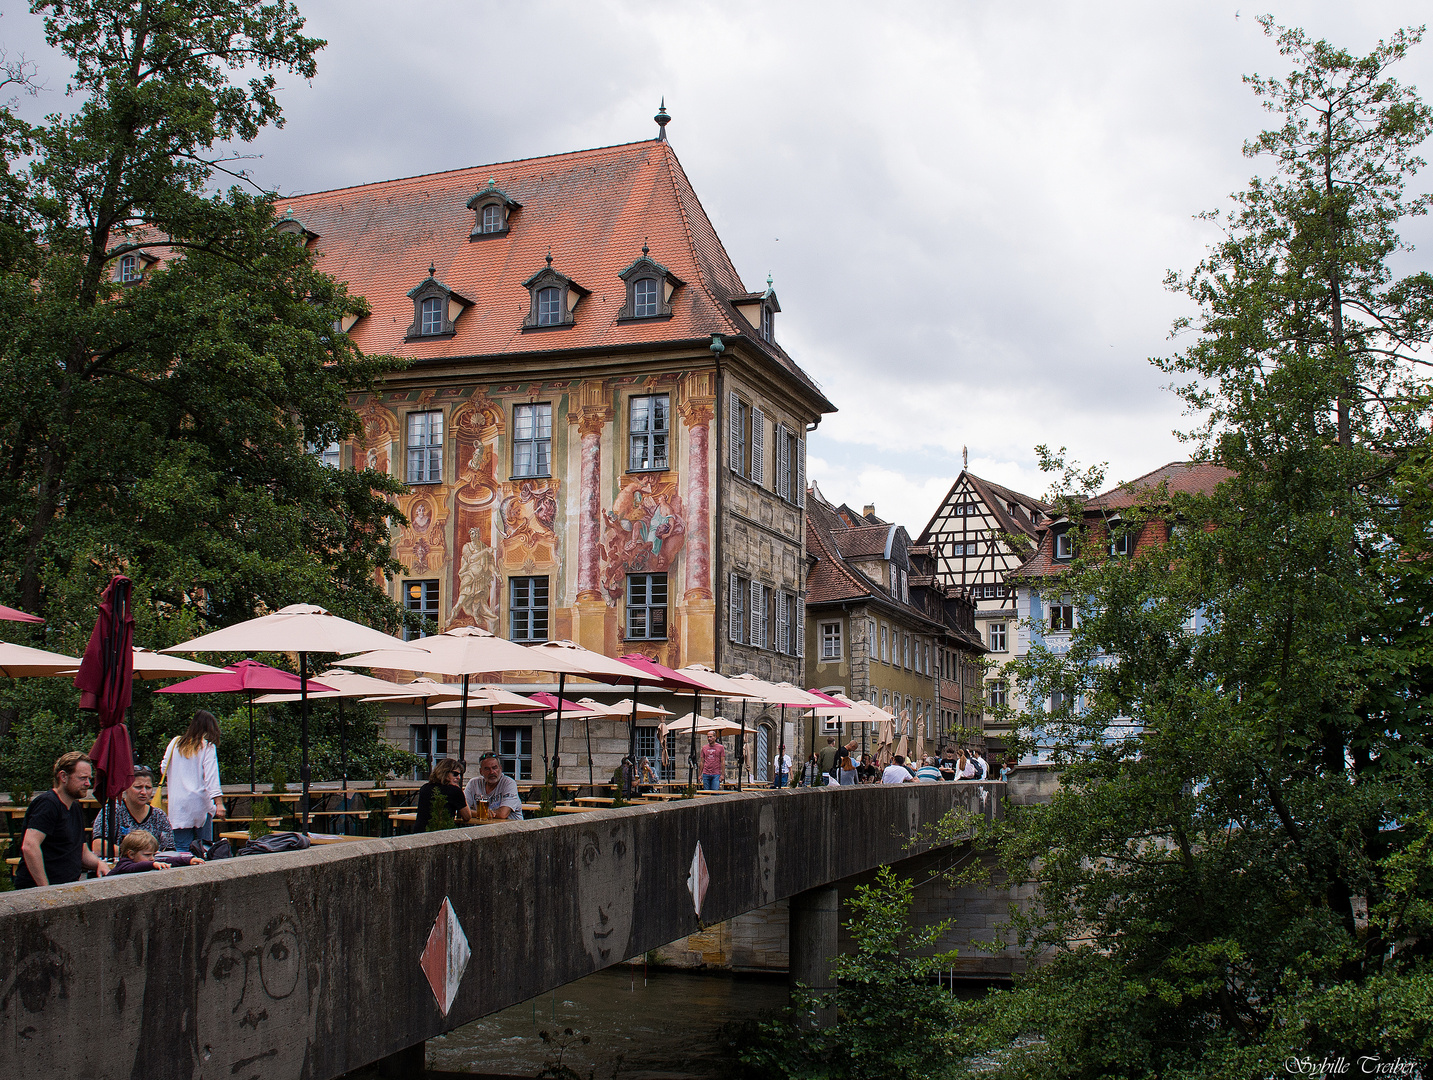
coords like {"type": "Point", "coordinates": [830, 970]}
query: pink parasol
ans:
{"type": "Point", "coordinates": [245, 677]}
{"type": "Point", "coordinates": [10, 614]}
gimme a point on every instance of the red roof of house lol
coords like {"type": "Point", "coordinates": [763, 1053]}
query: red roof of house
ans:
{"type": "Point", "coordinates": [593, 209]}
{"type": "Point", "coordinates": [1180, 477]}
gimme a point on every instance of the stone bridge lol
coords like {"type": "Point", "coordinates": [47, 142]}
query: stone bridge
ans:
{"type": "Point", "coordinates": [314, 963]}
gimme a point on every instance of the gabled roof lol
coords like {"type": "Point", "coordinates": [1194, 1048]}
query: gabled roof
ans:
{"type": "Point", "coordinates": [996, 498]}
{"type": "Point", "coordinates": [1180, 478]}
{"type": "Point", "coordinates": [594, 209]}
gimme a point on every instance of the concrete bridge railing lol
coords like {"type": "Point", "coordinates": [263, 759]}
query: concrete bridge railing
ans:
{"type": "Point", "coordinates": [314, 963]}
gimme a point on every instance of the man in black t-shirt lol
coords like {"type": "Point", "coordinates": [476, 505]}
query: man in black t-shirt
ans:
{"type": "Point", "coordinates": [53, 850]}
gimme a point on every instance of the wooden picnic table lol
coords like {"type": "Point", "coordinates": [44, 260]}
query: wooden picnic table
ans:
{"type": "Point", "coordinates": [594, 800]}
{"type": "Point", "coordinates": [403, 815]}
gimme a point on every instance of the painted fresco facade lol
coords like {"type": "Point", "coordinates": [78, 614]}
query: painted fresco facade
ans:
{"type": "Point", "coordinates": [582, 352]}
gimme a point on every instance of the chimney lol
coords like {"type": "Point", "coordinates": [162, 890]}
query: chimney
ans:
{"type": "Point", "coordinates": [869, 510]}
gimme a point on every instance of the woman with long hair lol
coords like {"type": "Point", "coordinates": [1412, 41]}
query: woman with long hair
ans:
{"type": "Point", "coordinates": [444, 783]}
{"type": "Point", "coordinates": [191, 778]}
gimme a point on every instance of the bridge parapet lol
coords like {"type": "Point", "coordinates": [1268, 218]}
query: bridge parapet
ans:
{"type": "Point", "coordinates": [315, 963]}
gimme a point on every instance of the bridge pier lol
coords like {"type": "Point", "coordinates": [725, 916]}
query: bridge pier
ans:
{"type": "Point", "coordinates": [814, 934]}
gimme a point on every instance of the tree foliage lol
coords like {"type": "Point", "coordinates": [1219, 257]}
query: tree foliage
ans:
{"type": "Point", "coordinates": [1248, 879]}
{"type": "Point", "coordinates": [161, 427]}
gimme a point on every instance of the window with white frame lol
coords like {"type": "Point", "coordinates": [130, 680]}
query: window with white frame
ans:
{"type": "Point", "coordinates": [527, 608]}
{"type": "Point", "coordinates": [129, 269]}
{"type": "Point", "coordinates": [648, 421]}
{"type": "Point", "coordinates": [431, 316]}
{"type": "Point", "coordinates": [885, 644]}
{"type": "Point", "coordinates": [996, 634]}
{"type": "Point", "coordinates": [1062, 618]}
{"type": "Point", "coordinates": [532, 440]}
{"type": "Point", "coordinates": [492, 218]}
{"type": "Point", "coordinates": [329, 456]}
{"type": "Point", "coordinates": [1064, 544]}
{"type": "Point", "coordinates": [646, 607]}
{"type": "Point", "coordinates": [906, 651]}
{"type": "Point", "coordinates": [830, 641]}
{"type": "Point", "coordinates": [425, 447]}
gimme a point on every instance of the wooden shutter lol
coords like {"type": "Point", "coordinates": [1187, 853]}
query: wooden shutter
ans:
{"type": "Point", "coordinates": [755, 614]}
{"type": "Point", "coordinates": [801, 472]}
{"type": "Point", "coordinates": [733, 608]}
{"type": "Point", "coordinates": [800, 627]}
{"type": "Point", "coordinates": [734, 453]}
{"type": "Point", "coordinates": [758, 446]}
{"type": "Point", "coordinates": [782, 625]}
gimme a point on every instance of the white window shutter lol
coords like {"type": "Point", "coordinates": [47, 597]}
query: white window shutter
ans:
{"type": "Point", "coordinates": [733, 608]}
{"type": "Point", "coordinates": [781, 622]}
{"type": "Point", "coordinates": [801, 472]}
{"type": "Point", "coordinates": [734, 453]}
{"type": "Point", "coordinates": [782, 463]}
{"type": "Point", "coordinates": [758, 446]}
{"type": "Point", "coordinates": [800, 627]}
{"type": "Point", "coordinates": [756, 616]}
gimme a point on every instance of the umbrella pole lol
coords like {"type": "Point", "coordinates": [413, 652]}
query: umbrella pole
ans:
{"type": "Point", "coordinates": [692, 753]}
{"type": "Point", "coordinates": [630, 778]}
{"type": "Point", "coordinates": [546, 762]}
{"type": "Point", "coordinates": [252, 786]}
{"type": "Point", "coordinates": [463, 726]}
{"type": "Point", "coordinates": [741, 747]}
{"type": "Point", "coordinates": [590, 782]}
{"type": "Point", "coordinates": [303, 732]}
{"type": "Point", "coordinates": [493, 730]}
{"type": "Point", "coordinates": [343, 752]}
{"type": "Point", "coordinates": [557, 731]}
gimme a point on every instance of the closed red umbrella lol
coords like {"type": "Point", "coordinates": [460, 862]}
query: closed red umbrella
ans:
{"type": "Point", "coordinates": [246, 677]}
{"type": "Point", "coordinates": [105, 682]}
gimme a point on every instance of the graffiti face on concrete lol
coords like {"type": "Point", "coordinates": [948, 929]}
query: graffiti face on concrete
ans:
{"type": "Point", "coordinates": [252, 1000]}
{"type": "Point", "coordinates": [766, 855]}
{"type": "Point", "coordinates": [605, 871]}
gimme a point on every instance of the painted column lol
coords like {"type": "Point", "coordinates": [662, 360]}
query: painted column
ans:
{"type": "Point", "coordinates": [697, 413]}
{"type": "Point", "coordinates": [591, 411]}
{"type": "Point", "coordinates": [698, 606]}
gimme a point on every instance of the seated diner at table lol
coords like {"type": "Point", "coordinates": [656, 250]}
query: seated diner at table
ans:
{"type": "Point", "coordinates": [443, 784]}
{"type": "Point", "coordinates": [492, 793]}
{"type": "Point", "coordinates": [136, 853]}
{"type": "Point", "coordinates": [135, 812]}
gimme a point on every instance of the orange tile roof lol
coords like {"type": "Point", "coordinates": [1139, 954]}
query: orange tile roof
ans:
{"type": "Point", "coordinates": [593, 209]}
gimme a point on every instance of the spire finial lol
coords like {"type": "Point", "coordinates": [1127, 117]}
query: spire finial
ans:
{"type": "Point", "coordinates": [662, 120]}
{"type": "Point", "coordinates": [645, 249]}
{"type": "Point", "coordinates": [432, 270]}
{"type": "Point", "coordinates": [965, 456]}
{"type": "Point", "coordinates": [492, 181]}
{"type": "Point", "coordinates": [549, 257]}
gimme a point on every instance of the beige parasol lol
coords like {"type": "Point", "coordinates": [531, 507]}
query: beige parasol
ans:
{"type": "Point", "coordinates": [20, 660]}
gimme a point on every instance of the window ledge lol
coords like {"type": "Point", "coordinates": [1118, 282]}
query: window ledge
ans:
{"type": "Point", "coordinates": [531, 476]}
{"type": "Point", "coordinates": [474, 237]}
{"type": "Point", "coordinates": [660, 317]}
{"type": "Point", "coordinates": [662, 469]}
{"type": "Point", "coordinates": [429, 337]}
{"type": "Point", "coordinates": [423, 483]}
{"type": "Point", "coordinates": [545, 329]}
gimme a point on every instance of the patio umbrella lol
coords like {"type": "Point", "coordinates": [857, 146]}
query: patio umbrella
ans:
{"type": "Point", "coordinates": [661, 675]}
{"type": "Point", "coordinates": [462, 651]}
{"type": "Point", "coordinates": [245, 677]}
{"type": "Point", "coordinates": [490, 698]}
{"type": "Point", "coordinates": [106, 683]}
{"type": "Point", "coordinates": [18, 661]}
{"type": "Point", "coordinates": [10, 614]}
{"type": "Point", "coordinates": [704, 724]}
{"type": "Point", "coordinates": [565, 658]}
{"type": "Point", "coordinates": [720, 686]}
{"type": "Point", "coordinates": [300, 628]}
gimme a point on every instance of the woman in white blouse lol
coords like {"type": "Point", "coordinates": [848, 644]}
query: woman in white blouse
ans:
{"type": "Point", "coordinates": [191, 778]}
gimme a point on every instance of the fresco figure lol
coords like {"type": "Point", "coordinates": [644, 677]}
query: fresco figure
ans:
{"type": "Point", "coordinates": [475, 581]}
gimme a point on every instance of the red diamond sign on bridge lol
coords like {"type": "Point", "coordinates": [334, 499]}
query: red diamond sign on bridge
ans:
{"type": "Point", "coordinates": [445, 957]}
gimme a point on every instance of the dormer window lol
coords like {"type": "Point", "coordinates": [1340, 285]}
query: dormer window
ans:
{"type": "Point", "coordinates": [650, 286]}
{"type": "Point", "coordinates": [431, 321]}
{"type": "Point", "coordinates": [436, 309]}
{"type": "Point", "coordinates": [129, 269]}
{"type": "Point", "coordinates": [1064, 543]}
{"type": "Point", "coordinates": [493, 210]}
{"type": "Point", "coordinates": [765, 322]}
{"type": "Point", "coordinates": [553, 298]}
{"type": "Point", "coordinates": [759, 310]}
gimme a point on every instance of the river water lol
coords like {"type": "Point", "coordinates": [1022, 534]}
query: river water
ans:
{"type": "Point", "coordinates": [664, 1024]}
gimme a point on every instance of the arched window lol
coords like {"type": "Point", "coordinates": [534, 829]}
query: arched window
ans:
{"type": "Point", "coordinates": [432, 321]}
{"type": "Point", "coordinates": [549, 307]}
{"type": "Point", "coordinates": [492, 218]}
{"type": "Point", "coordinates": [644, 298]}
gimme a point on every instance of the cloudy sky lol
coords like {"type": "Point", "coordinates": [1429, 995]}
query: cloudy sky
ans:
{"type": "Point", "coordinates": [968, 208]}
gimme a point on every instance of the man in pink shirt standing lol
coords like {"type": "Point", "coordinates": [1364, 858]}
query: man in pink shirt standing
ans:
{"type": "Point", "coordinates": [713, 763]}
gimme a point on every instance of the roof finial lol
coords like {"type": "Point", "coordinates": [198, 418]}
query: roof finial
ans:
{"type": "Point", "coordinates": [549, 257]}
{"type": "Point", "coordinates": [645, 249]}
{"type": "Point", "coordinates": [965, 456]}
{"type": "Point", "coordinates": [492, 181]}
{"type": "Point", "coordinates": [662, 120]}
{"type": "Point", "coordinates": [432, 270]}
{"type": "Point", "coordinates": [768, 285]}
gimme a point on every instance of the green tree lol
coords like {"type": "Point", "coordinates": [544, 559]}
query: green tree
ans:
{"type": "Point", "coordinates": [1248, 879]}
